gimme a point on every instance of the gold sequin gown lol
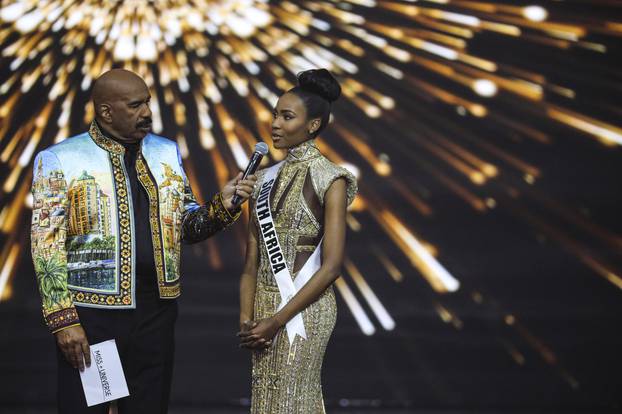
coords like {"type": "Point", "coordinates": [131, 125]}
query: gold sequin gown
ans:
{"type": "Point", "coordinates": [286, 380]}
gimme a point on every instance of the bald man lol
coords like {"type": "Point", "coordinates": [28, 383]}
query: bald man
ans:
{"type": "Point", "coordinates": [110, 209]}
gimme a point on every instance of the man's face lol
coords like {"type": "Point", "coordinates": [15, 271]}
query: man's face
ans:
{"type": "Point", "coordinates": [130, 113]}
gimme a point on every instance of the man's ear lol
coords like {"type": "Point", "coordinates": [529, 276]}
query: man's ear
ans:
{"type": "Point", "coordinates": [314, 125]}
{"type": "Point", "coordinates": [104, 112]}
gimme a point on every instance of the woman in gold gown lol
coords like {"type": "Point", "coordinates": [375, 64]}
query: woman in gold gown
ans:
{"type": "Point", "coordinates": [308, 203]}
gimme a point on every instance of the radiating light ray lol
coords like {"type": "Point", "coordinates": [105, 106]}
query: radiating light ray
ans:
{"type": "Point", "coordinates": [8, 268]}
{"type": "Point", "coordinates": [516, 355]}
{"type": "Point", "coordinates": [376, 306]}
{"type": "Point", "coordinates": [420, 205]}
{"type": "Point", "coordinates": [579, 249]}
{"type": "Point", "coordinates": [215, 70]}
{"type": "Point", "coordinates": [393, 271]}
{"type": "Point", "coordinates": [448, 316]}
{"type": "Point", "coordinates": [461, 191]}
{"type": "Point", "coordinates": [511, 321]}
{"type": "Point", "coordinates": [488, 169]}
{"type": "Point", "coordinates": [443, 95]}
{"type": "Point", "coordinates": [438, 277]}
{"type": "Point", "coordinates": [382, 168]}
{"type": "Point", "coordinates": [353, 223]}
{"type": "Point", "coordinates": [524, 130]}
{"type": "Point", "coordinates": [576, 219]}
{"type": "Point", "coordinates": [607, 133]}
{"type": "Point", "coordinates": [474, 175]}
{"type": "Point", "coordinates": [355, 307]}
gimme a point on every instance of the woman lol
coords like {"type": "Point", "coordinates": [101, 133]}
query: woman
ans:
{"type": "Point", "coordinates": [307, 200]}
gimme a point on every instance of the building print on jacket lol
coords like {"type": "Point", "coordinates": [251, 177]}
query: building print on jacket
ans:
{"type": "Point", "coordinates": [93, 216]}
{"type": "Point", "coordinates": [171, 208]}
{"type": "Point", "coordinates": [83, 224]}
{"type": "Point", "coordinates": [81, 212]}
{"type": "Point", "coordinates": [91, 261]}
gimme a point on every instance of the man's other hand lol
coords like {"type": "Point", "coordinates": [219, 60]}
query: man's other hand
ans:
{"type": "Point", "coordinates": [243, 188]}
{"type": "Point", "coordinates": [74, 346]}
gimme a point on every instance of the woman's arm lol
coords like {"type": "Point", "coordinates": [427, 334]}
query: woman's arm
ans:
{"type": "Point", "coordinates": [332, 257]}
{"type": "Point", "coordinates": [248, 279]}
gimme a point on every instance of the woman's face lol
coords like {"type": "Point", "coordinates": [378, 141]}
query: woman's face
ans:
{"type": "Point", "coordinates": [290, 126]}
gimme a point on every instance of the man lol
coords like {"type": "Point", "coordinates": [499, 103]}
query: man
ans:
{"type": "Point", "coordinates": [111, 207]}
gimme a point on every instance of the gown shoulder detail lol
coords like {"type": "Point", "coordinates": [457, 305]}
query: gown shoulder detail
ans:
{"type": "Point", "coordinates": [324, 172]}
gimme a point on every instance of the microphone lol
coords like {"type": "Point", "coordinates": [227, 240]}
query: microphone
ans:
{"type": "Point", "coordinates": [261, 149]}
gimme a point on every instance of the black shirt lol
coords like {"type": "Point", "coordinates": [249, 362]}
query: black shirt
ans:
{"type": "Point", "coordinates": [146, 277]}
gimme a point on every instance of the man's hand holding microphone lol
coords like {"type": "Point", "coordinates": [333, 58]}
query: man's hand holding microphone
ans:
{"type": "Point", "coordinates": [241, 187]}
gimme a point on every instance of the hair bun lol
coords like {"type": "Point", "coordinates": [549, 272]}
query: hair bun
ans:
{"type": "Point", "coordinates": [320, 82]}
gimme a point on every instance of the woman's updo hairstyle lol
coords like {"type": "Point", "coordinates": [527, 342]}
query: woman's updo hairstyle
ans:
{"type": "Point", "coordinates": [318, 89]}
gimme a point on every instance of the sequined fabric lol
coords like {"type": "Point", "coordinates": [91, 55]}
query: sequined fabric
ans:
{"type": "Point", "coordinates": [205, 220]}
{"type": "Point", "coordinates": [288, 379]}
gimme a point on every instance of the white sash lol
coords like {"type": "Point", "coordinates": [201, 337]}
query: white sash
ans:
{"type": "Point", "coordinates": [287, 287]}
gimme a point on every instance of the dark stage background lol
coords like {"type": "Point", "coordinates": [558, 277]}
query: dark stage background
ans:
{"type": "Point", "coordinates": [484, 261]}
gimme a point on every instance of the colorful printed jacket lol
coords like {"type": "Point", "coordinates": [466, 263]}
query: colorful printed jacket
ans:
{"type": "Point", "coordinates": [82, 223]}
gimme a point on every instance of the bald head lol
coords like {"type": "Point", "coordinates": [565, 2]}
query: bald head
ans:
{"type": "Point", "coordinates": [121, 102]}
{"type": "Point", "coordinates": [115, 84]}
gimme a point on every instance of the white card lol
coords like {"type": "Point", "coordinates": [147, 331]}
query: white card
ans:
{"type": "Point", "coordinates": [104, 380]}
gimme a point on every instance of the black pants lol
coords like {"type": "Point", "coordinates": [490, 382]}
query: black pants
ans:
{"type": "Point", "coordinates": [145, 340]}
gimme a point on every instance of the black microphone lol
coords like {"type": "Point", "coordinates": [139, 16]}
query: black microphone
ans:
{"type": "Point", "coordinates": [261, 149]}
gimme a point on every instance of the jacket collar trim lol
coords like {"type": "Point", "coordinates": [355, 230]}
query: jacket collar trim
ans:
{"type": "Point", "coordinates": [103, 141]}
